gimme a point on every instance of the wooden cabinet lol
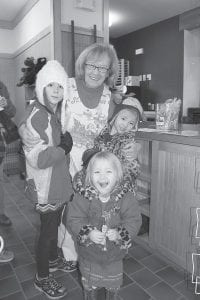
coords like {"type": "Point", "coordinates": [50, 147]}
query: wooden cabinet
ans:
{"type": "Point", "coordinates": [174, 188]}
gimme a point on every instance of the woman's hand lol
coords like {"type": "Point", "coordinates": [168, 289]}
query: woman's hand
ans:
{"type": "Point", "coordinates": [131, 151]}
{"type": "Point", "coordinates": [27, 137]}
{"type": "Point", "coordinates": [97, 237]}
{"type": "Point", "coordinates": [112, 234]}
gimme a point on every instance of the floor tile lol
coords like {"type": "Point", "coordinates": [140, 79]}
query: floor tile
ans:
{"type": "Point", "coordinates": [40, 297]}
{"type": "Point", "coordinates": [6, 270]}
{"type": "Point", "coordinates": [26, 272]}
{"type": "Point", "coordinates": [133, 291]}
{"type": "Point", "coordinates": [18, 248]}
{"type": "Point", "coordinates": [187, 290]}
{"type": "Point", "coordinates": [153, 262]}
{"type": "Point", "coordinates": [21, 259]}
{"type": "Point", "coordinates": [75, 294]}
{"type": "Point", "coordinates": [29, 288]}
{"type": "Point", "coordinates": [127, 280]}
{"type": "Point", "coordinates": [15, 296]}
{"type": "Point", "coordinates": [8, 286]}
{"type": "Point", "coordinates": [170, 275]}
{"type": "Point", "coordinates": [145, 278]}
{"type": "Point", "coordinates": [131, 265]}
{"type": "Point", "coordinates": [139, 252]}
{"type": "Point", "coordinates": [162, 291]}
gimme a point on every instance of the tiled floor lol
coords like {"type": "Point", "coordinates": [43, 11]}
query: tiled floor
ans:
{"type": "Point", "coordinates": [146, 276]}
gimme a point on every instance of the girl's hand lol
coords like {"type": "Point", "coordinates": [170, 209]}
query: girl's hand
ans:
{"type": "Point", "coordinates": [97, 236]}
{"type": "Point", "coordinates": [27, 137]}
{"type": "Point", "coordinates": [112, 234]}
{"type": "Point", "coordinates": [131, 151]}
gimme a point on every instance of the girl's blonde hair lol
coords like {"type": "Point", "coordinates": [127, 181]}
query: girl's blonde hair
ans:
{"type": "Point", "coordinates": [104, 155]}
{"type": "Point", "coordinates": [95, 51]}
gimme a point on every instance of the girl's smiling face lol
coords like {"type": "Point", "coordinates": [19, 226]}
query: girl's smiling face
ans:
{"type": "Point", "coordinates": [125, 121]}
{"type": "Point", "coordinates": [103, 176]}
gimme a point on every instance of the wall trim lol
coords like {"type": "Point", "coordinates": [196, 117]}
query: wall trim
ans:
{"type": "Point", "coordinates": [6, 25]}
{"type": "Point", "coordinates": [10, 25]}
{"type": "Point", "coordinates": [33, 41]}
{"type": "Point", "coordinates": [80, 30]}
{"type": "Point", "coordinates": [106, 20]}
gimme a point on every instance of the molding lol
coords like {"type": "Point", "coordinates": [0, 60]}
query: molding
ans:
{"type": "Point", "coordinates": [105, 12]}
{"type": "Point", "coordinates": [190, 19]}
{"type": "Point", "coordinates": [33, 41]}
{"type": "Point", "coordinates": [80, 30]}
{"type": "Point", "coordinates": [10, 25]}
{"type": "Point", "coordinates": [6, 25]}
{"type": "Point", "coordinates": [56, 36]}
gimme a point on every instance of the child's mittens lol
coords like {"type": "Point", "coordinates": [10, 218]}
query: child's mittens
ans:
{"type": "Point", "coordinates": [97, 237]}
{"type": "Point", "coordinates": [66, 142]}
{"type": "Point", "coordinates": [113, 235]}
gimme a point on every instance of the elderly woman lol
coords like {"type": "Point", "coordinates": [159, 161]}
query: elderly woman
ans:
{"type": "Point", "coordinates": [89, 102]}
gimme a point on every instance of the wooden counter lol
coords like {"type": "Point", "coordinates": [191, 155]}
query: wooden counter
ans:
{"type": "Point", "coordinates": [171, 177]}
{"type": "Point", "coordinates": [188, 134]}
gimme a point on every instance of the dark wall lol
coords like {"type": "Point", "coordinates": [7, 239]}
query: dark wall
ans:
{"type": "Point", "coordinates": [163, 59]}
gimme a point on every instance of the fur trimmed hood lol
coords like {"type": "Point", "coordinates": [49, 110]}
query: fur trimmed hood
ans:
{"type": "Point", "coordinates": [90, 192]}
{"type": "Point", "coordinates": [52, 71]}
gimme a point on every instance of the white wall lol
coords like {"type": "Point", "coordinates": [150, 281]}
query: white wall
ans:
{"type": "Point", "coordinates": [6, 38]}
{"type": "Point", "coordinates": [191, 79]}
{"type": "Point", "coordinates": [36, 20]}
{"type": "Point", "coordinates": [82, 18]}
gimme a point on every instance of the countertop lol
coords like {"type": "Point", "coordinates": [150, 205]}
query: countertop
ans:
{"type": "Point", "coordinates": [187, 134]}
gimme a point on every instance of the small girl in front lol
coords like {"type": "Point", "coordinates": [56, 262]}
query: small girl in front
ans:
{"type": "Point", "coordinates": [103, 217]}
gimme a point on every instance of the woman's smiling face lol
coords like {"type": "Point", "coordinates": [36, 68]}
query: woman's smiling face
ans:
{"type": "Point", "coordinates": [103, 176]}
{"type": "Point", "coordinates": [96, 71]}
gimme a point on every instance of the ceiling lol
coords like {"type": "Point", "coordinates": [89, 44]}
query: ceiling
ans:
{"type": "Point", "coordinates": [10, 8]}
{"type": "Point", "coordinates": [130, 15]}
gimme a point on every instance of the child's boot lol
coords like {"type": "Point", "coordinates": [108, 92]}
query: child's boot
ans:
{"type": "Point", "coordinates": [111, 294]}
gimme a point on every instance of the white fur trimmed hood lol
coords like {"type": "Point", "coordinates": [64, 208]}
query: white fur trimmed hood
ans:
{"type": "Point", "coordinates": [52, 71]}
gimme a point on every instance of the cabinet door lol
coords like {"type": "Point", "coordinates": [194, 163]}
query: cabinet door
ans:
{"type": "Point", "coordinates": [174, 191]}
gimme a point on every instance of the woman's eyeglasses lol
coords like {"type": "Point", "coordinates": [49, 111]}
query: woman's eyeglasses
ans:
{"type": "Point", "coordinates": [99, 68]}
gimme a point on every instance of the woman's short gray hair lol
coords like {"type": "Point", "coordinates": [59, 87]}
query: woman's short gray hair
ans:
{"type": "Point", "coordinates": [108, 156]}
{"type": "Point", "coordinates": [94, 51]}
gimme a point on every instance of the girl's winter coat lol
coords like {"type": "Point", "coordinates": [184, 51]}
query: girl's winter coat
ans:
{"type": "Point", "coordinates": [87, 212]}
{"type": "Point", "coordinates": [48, 178]}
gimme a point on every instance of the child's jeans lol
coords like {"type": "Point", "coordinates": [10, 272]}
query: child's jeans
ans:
{"type": "Point", "coordinates": [47, 243]}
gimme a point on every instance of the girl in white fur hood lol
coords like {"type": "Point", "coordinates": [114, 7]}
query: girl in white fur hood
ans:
{"type": "Point", "coordinates": [47, 166]}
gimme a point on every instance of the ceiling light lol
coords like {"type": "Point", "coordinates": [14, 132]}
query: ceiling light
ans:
{"type": "Point", "coordinates": [113, 18]}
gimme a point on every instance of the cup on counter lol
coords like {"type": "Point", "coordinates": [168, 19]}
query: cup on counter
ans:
{"type": "Point", "coordinates": [166, 116]}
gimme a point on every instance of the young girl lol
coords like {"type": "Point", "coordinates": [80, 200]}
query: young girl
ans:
{"type": "Point", "coordinates": [119, 134]}
{"type": "Point", "coordinates": [48, 178]}
{"type": "Point", "coordinates": [103, 218]}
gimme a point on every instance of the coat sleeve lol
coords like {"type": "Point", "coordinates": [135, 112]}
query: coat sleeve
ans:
{"type": "Point", "coordinates": [131, 214]}
{"type": "Point", "coordinates": [77, 215]}
{"type": "Point", "coordinates": [41, 155]}
{"type": "Point", "coordinates": [10, 109]}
